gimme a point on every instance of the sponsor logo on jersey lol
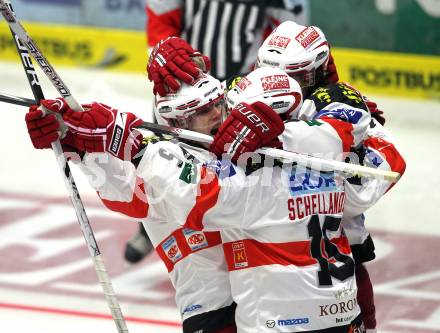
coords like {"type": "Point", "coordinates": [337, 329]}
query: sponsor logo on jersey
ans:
{"type": "Point", "coordinates": [171, 249]}
{"type": "Point", "coordinates": [195, 239]}
{"type": "Point", "coordinates": [338, 308]}
{"type": "Point", "coordinates": [293, 321]}
{"type": "Point", "coordinates": [240, 257]}
{"type": "Point", "coordinates": [287, 322]}
{"type": "Point", "coordinates": [344, 319]}
{"type": "Point", "coordinates": [279, 41]}
{"type": "Point", "coordinates": [192, 308]}
{"type": "Point", "coordinates": [351, 116]}
{"type": "Point", "coordinates": [273, 82]}
{"type": "Point", "coordinates": [311, 182]}
{"type": "Point", "coordinates": [307, 37]}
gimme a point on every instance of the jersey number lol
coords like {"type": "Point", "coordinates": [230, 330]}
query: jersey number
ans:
{"type": "Point", "coordinates": [318, 242]}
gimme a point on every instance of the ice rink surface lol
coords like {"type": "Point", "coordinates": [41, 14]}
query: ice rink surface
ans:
{"type": "Point", "coordinates": [47, 281]}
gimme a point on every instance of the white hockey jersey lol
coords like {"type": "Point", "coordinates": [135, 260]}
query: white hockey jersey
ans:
{"type": "Point", "coordinates": [289, 261]}
{"type": "Point", "coordinates": [280, 227]}
{"type": "Point", "coordinates": [194, 259]}
{"type": "Point", "coordinates": [366, 142]}
{"type": "Point", "coordinates": [283, 212]}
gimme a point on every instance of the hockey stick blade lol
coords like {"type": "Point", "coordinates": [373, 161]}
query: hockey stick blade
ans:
{"type": "Point", "coordinates": [6, 98]}
{"type": "Point", "coordinates": [301, 159]}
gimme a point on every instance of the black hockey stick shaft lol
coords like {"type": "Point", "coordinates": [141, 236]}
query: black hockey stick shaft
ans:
{"type": "Point", "coordinates": [6, 98]}
{"type": "Point", "coordinates": [24, 44]}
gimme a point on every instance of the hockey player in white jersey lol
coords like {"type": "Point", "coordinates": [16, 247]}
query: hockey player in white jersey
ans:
{"type": "Point", "coordinates": [305, 59]}
{"type": "Point", "coordinates": [194, 259]}
{"type": "Point", "coordinates": [269, 266]}
{"type": "Point", "coordinates": [303, 52]}
{"type": "Point", "coordinates": [275, 232]}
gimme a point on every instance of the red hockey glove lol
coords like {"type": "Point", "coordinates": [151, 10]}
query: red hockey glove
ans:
{"type": "Point", "coordinates": [332, 73]}
{"type": "Point", "coordinates": [43, 129]}
{"type": "Point", "coordinates": [375, 112]}
{"type": "Point", "coordinates": [171, 60]}
{"type": "Point", "coordinates": [246, 129]}
{"type": "Point", "coordinates": [98, 129]}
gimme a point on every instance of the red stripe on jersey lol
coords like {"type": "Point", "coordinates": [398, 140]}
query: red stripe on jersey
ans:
{"type": "Point", "coordinates": [342, 244]}
{"type": "Point", "coordinates": [162, 26]}
{"type": "Point", "coordinates": [179, 245]}
{"type": "Point", "coordinates": [136, 208]}
{"type": "Point", "coordinates": [206, 199]}
{"type": "Point", "coordinates": [390, 153]}
{"type": "Point", "coordinates": [249, 253]}
{"type": "Point", "coordinates": [344, 130]}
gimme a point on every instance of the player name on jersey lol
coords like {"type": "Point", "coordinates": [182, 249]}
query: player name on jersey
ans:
{"type": "Point", "coordinates": [318, 203]}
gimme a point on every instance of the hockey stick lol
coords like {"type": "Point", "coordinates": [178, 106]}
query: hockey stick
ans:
{"type": "Point", "coordinates": [6, 98]}
{"type": "Point", "coordinates": [301, 159]}
{"type": "Point", "coordinates": [19, 34]}
{"type": "Point", "coordinates": [305, 160]}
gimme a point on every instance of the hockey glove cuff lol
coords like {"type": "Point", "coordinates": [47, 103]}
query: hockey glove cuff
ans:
{"type": "Point", "coordinates": [246, 129]}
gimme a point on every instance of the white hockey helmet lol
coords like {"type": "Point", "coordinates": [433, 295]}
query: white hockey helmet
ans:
{"type": "Point", "coordinates": [271, 86]}
{"type": "Point", "coordinates": [177, 108]}
{"type": "Point", "coordinates": [296, 49]}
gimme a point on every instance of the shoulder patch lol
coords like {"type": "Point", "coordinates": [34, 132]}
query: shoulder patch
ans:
{"type": "Point", "coordinates": [188, 173]}
{"type": "Point", "coordinates": [337, 92]}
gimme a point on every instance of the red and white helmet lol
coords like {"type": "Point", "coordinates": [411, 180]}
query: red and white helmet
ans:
{"type": "Point", "coordinates": [176, 108]}
{"type": "Point", "coordinates": [271, 86]}
{"type": "Point", "coordinates": [296, 49]}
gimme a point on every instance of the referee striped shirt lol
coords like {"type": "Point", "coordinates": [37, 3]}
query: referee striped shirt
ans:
{"type": "Point", "coordinates": [225, 31]}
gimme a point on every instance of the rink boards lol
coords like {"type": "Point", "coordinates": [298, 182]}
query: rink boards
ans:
{"type": "Point", "coordinates": [372, 72]}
